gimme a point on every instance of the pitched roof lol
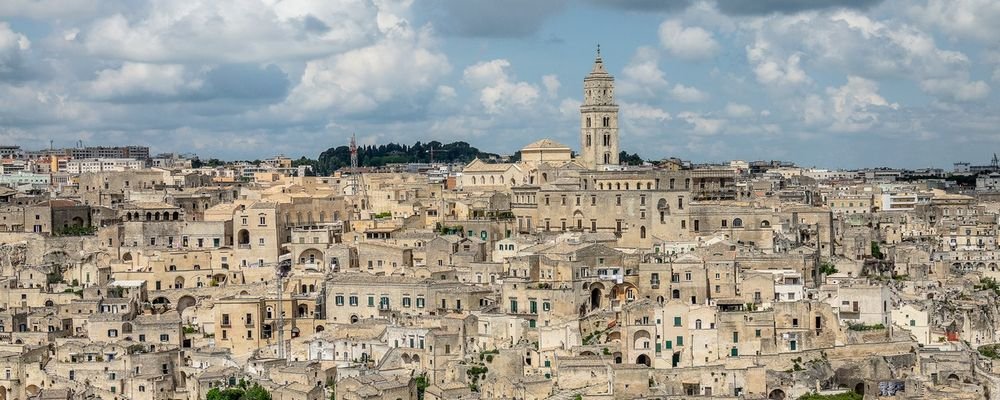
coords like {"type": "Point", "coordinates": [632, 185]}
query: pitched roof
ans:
{"type": "Point", "coordinates": [545, 144]}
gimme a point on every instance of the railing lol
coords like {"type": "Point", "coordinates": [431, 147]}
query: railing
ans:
{"type": "Point", "coordinates": [243, 246]}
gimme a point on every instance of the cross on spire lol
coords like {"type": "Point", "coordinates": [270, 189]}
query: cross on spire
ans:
{"type": "Point", "coordinates": [598, 50]}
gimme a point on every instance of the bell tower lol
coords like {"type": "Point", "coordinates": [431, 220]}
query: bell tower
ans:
{"type": "Point", "coordinates": [598, 118]}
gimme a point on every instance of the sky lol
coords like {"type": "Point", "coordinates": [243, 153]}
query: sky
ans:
{"type": "Point", "coordinates": [827, 83]}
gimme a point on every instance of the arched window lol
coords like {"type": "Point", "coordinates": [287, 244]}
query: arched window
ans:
{"type": "Point", "coordinates": [697, 324]}
{"type": "Point", "coordinates": [737, 223]}
{"type": "Point", "coordinates": [642, 232]}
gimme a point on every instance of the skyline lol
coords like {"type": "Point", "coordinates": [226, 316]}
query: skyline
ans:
{"type": "Point", "coordinates": [845, 84]}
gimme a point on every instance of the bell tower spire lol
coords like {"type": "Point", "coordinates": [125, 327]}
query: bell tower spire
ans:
{"type": "Point", "coordinates": [598, 118]}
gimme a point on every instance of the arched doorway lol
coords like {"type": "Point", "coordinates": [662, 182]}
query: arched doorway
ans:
{"type": "Point", "coordinates": [776, 394]}
{"type": "Point", "coordinates": [243, 238]}
{"type": "Point", "coordinates": [179, 282]}
{"type": "Point", "coordinates": [595, 298]}
{"type": "Point", "coordinates": [643, 360]}
{"type": "Point", "coordinates": [860, 388]}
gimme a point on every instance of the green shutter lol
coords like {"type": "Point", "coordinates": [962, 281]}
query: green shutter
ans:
{"type": "Point", "coordinates": [670, 345]}
{"type": "Point", "coordinates": [680, 340]}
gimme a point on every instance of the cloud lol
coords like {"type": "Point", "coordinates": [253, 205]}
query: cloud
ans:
{"type": "Point", "coordinates": [739, 7]}
{"type": "Point", "coordinates": [642, 76]}
{"type": "Point", "coordinates": [845, 41]}
{"type": "Point", "coordinates": [957, 89]}
{"type": "Point", "coordinates": [688, 43]}
{"type": "Point", "coordinates": [497, 91]}
{"type": "Point", "coordinates": [640, 111]}
{"type": "Point", "coordinates": [701, 124]}
{"type": "Point", "coordinates": [736, 110]}
{"type": "Point", "coordinates": [976, 19]}
{"type": "Point", "coordinates": [644, 5]}
{"type": "Point", "coordinates": [14, 53]}
{"type": "Point", "coordinates": [236, 31]}
{"type": "Point", "coordinates": [489, 18]}
{"type": "Point", "coordinates": [551, 84]}
{"type": "Point", "coordinates": [139, 79]}
{"type": "Point", "coordinates": [688, 94]}
{"type": "Point", "coordinates": [760, 7]}
{"type": "Point", "coordinates": [856, 106]}
{"type": "Point", "coordinates": [774, 70]}
{"type": "Point", "coordinates": [400, 67]}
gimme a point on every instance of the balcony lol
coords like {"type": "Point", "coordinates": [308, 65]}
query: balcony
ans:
{"type": "Point", "coordinates": [243, 246]}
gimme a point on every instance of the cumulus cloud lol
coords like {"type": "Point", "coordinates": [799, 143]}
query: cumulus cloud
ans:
{"type": "Point", "coordinates": [740, 7]}
{"type": "Point", "coordinates": [401, 66]}
{"type": "Point", "coordinates": [498, 92]}
{"type": "Point", "coordinates": [488, 18]}
{"type": "Point", "coordinates": [551, 84]}
{"type": "Point", "coordinates": [642, 76]}
{"type": "Point", "coordinates": [137, 79]}
{"type": "Point", "coordinates": [14, 49]}
{"type": "Point", "coordinates": [736, 110]}
{"type": "Point", "coordinates": [689, 43]}
{"type": "Point", "coordinates": [757, 7]}
{"type": "Point", "coordinates": [855, 106]}
{"type": "Point", "coordinates": [235, 31]}
{"type": "Point", "coordinates": [688, 94]}
{"type": "Point", "coordinates": [956, 88]}
{"type": "Point", "coordinates": [641, 111]}
{"type": "Point", "coordinates": [702, 124]}
{"type": "Point", "coordinates": [775, 70]}
{"type": "Point", "coordinates": [976, 19]}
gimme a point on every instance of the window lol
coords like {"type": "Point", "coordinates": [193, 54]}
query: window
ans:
{"type": "Point", "coordinates": [756, 333]}
{"type": "Point", "coordinates": [406, 302]}
{"type": "Point", "coordinates": [225, 319]}
{"type": "Point", "coordinates": [353, 301]}
{"type": "Point", "coordinates": [339, 300]}
{"type": "Point", "coordinates": [513, 305]}
{"type": "Point", "coordinates": [263, 220]}
{"type": "Point", "coordinates": [680, 340]}
{"type": "Point", "coordinates": [371, 301]}
{"type": "Point", "coordinates": [112, 333]}
{"type": "Point", "coordinates": [736, 337]}
{"type": "Point", "coordinates": [546, 306]}
{"type": "Point", "coordinates": [677, 321]}
{"type": "Point", "coordinates": [164, 337]}
{"type": "Point", "coordinates": [420, 302]}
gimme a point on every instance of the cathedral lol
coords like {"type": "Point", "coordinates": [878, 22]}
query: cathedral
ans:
{"type": "Point", "coordinates": [598, 143]}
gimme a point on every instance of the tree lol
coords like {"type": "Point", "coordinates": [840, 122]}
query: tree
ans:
{"type": "Point", "coordinates": [629, 159]}
{"type": "Point", "coordinates": [876, 251]}
{"type": "Point", "coordinates": [256, 392]}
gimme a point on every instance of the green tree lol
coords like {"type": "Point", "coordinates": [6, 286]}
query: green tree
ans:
{"type": "Point", "coordinates": [629, 159]}
{"type": "Point", "coordinates": [224, 394]}
{"type": "Point", "coordinates": [422, 386]}
{"type": "Point", "coordinates": [256, 392]}
{"type": "Point", "coordinates": [876, 251]}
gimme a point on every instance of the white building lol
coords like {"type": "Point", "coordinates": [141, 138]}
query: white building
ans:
{"type": "Point", "coordinates": [915, 320]}
{"type": "Point", "coordinates": [80, 166]}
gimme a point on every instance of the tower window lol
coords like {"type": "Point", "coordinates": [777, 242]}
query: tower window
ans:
{"type": "Point", "coordinates": [607, 122]}
{"type": "Point", "coordinates": [588, 136]}
{"type": "Point", "coordinates": [588, 122]}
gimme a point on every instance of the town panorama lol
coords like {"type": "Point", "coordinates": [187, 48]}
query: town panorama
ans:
{"type": "Point", "coordinates": [438, 271]}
